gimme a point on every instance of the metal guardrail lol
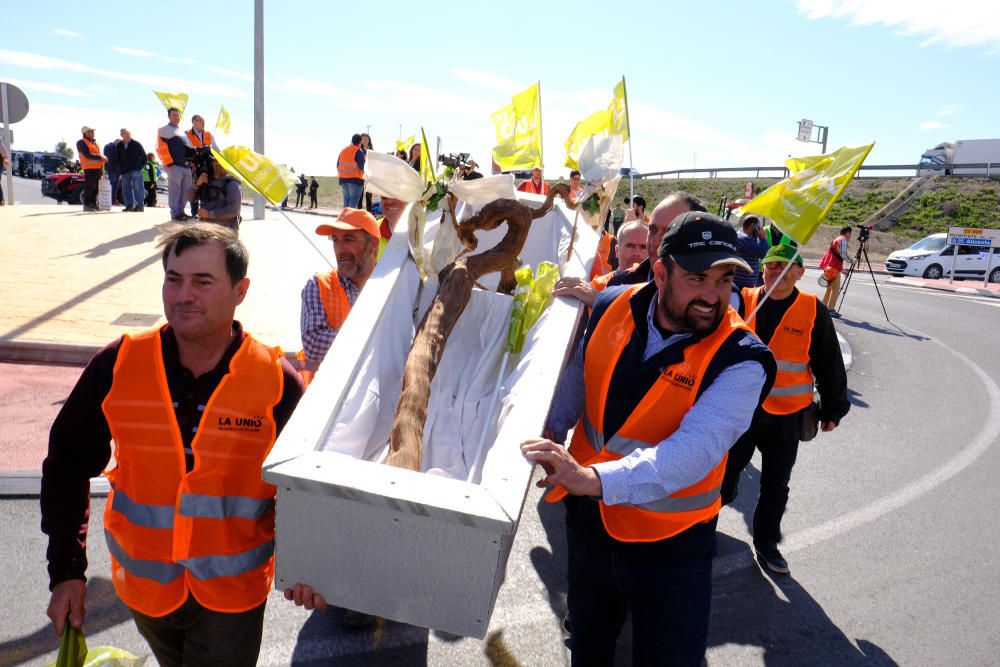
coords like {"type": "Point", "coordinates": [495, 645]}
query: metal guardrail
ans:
{"type": "Point", "coordinates": [992, 170]}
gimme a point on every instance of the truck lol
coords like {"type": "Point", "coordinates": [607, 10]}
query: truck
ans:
{"type": "Point", "coordinates": [964, 151]}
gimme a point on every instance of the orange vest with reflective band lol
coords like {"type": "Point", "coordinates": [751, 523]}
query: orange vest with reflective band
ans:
{"type": "Point", "coordinates": [529, 186]}
{"type": "Point", "coordinates": [793, 385]}
{"type": "Point", "coordinates": [347, 166]}
{"type": "Point", "coordinates": [656, 417]}
{"type": "Point", "coordinates": [198, 143]}
{"type": "Point", "coordinates": [163, 151]}
{"type": "Point", "coordinates": [89, 162]}
{"type": "Point", "coordinates": [337, 306]}
{"type": "Point", "coordinates": [208, 532]}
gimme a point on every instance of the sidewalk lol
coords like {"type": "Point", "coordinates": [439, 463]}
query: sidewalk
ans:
{"type": "Point", "coordinates": [959, 286]}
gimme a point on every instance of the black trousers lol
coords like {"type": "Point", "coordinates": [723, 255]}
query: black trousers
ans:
{"type": "Point", "coordinates": [777, 438]}
{"type": "Point", "coordinates": [300, 196]}
{"type": "Point", "coordinates": [193, 636]}
{"type": "Point", "coordinates": [90, 180]}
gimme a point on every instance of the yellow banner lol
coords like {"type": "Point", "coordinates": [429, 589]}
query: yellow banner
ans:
{"type": "Point", "coordinates": [173, 100]}
{"type": "Point", "coordinates": [426, 163]}
{"type": "Point", "coordinates": [270, 180]}
{"type": "Point", "coordinates": [799, 203]}
{"type": "Point", "coordinates": [619, 111]}
{"type": "Point", "coordinates": [405, 144]}
{"type": "Point", "coordinates": [599, 122]}
{"type": "Point", "coordinates": [223, 121]}
{"type": "Point", "coordinates": [519, 131]}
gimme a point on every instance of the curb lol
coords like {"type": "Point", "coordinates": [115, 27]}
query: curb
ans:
{"type": "Point", "coordinates": [977, 291]}
{"type": "Point", "coordinates": [29, 483]}
{"type": "Point", "coordinates": [61, 354]}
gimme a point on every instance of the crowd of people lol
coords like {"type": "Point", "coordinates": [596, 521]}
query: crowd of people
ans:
{"type": "Point", "coordinates": [699, 350]}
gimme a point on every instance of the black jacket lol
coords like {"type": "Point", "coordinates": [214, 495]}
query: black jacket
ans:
{"type": "Point", "coordinates": [111, 152]}
{"type": "Point", "coordinates": [132, 158]}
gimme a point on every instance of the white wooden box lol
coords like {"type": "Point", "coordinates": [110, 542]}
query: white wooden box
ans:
{"type": "Point", "coordinates": [429, 549]}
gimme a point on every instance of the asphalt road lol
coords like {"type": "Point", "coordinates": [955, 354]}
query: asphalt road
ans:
{"type": "Point", "coordinates": [26, 191]}
{"type": "Point", "coordinates": [890, 532]}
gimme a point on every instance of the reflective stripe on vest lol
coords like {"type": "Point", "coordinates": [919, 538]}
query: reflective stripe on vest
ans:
{"type": "Point", "coordinates": [347, 165]}
{"type": "Point", "coordinates": [214, 524]}
{"type": "Point", "coordinates": [794, 384]}
{"type": "Point", "coordinates": [198, 143]}
{"type": "Point", "coordinates": [652, 421]}
{"type": "Point", "coordinates": [89, 162]}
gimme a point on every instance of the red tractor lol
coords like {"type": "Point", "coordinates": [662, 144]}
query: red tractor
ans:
{"type": "Point", "coordinates": [64, 188]}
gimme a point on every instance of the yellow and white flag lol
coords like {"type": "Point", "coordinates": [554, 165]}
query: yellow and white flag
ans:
{"type": "Point", "coordinates": [426, 163]}
{"type": "Point", "coordinates": [271, 181]}
{"type": "Point", "coordinates": [519, 131]}
{"type": "Point", "coordinates": [613, 120]}
{"type": "Point", "coordinates": [405, 144]}
{"type": "Point", "coordinates": [173, 100]}
{"type": "Point", "coordinates": [222, 123]}
{"type": "Point", "coordinates": [799, 203]}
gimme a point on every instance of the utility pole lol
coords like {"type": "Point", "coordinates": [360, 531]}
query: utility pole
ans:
{"type": "Point", "coordinates": [258, 94]}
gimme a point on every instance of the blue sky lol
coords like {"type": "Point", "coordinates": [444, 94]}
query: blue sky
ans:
{"type": "Point", "coordinates": [710, 83]}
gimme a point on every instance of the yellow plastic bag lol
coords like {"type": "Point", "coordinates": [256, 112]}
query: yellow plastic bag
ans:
{"type": "Point", "coordinates": [73, 653]}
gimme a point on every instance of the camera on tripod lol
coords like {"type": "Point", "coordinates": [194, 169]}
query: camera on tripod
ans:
{"type": "Point", "coordinates": [465, 168]}
{"type": "Point", "coordinates": [201, 161]}
{"type": "Point", "coordinates": [864, 232]}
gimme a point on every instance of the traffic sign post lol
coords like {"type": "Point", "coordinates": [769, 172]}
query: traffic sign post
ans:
{"type": "Point", "coordinates": [976, 238]}
{"type": "Point", "coordinates": [13, 107]}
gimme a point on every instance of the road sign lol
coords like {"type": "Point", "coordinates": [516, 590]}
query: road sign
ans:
{"type": "Point", "coordinates": [15, 103]}
{"type": "Point", "coordinates": [805, 130]}
{"type": "Point", "coordinates": [980, 238]}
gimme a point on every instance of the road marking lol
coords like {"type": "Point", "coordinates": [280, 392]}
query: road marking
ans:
{"type": "Point", "coordinates": [902, 497]}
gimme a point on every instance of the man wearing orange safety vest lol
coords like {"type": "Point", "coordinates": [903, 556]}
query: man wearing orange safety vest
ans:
{"type": "Point", "coordinates": [665, 380]}
{"type": "Point", "coordinates": [199, 137]}
{"type": "Point", "coordinates": [328, 297]}
{"type": "Point", "coordinates": [798, 330]}
{"type": "Point", "coordinates": [351, 172]}
{"type": "Point", "coordinates": [192, 409]}
{"type": "Point", "coordinates": [92, 163]}
{"type": "Point", "coordinates": [535, 185]}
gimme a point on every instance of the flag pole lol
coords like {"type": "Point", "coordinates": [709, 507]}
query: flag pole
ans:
{"type": "Point", "coordinates": [541, 144]}
{"type": "Point", "coordinates": [628, 128]}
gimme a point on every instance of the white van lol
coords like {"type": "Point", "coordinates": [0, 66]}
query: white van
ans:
{"type": "Point", "coordinates": [932, 257]}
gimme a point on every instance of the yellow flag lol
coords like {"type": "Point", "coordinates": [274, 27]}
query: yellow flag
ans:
{"type": "Point", "coordinates": [405, 144]}
{"type": "Point", "coordinates": [426, 164]}
{"type": "Point", "coordinates": [599, 122]}
{"type": "Point", "coordinates": [270, 180]}
{"type": "Point", "coordinates": [799, 203]}
{"type": "Point", "coordinates": [223, 121]}
{"type": "Point", "coordinates": [173, 100]}
{"type": "Point", "coordinates": [519, 131]}
{"type": "Point", "coordinates": [619, 110]}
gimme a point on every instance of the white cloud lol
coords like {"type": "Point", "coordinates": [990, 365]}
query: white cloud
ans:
{"type": "Point", "coordinates": [230, 73]}
{"type": "Point", "coordinates": [968, 23]}
{"type": "Point", "coordinates": [63, 32]}
{"type": "Point", "coordinates": [40, 62]}
{"type": "Point", "coordinates": [142, 53]}
{"type": "Point", "coordinates": [948, 110]}
{"type": "Point", "coordinates": [48, 88]}
{"type": "Point", "coordinates": [932, 125]}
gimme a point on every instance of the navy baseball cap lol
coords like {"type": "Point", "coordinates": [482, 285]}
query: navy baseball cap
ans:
{"type": "Point", "coordinates": [698, 241]}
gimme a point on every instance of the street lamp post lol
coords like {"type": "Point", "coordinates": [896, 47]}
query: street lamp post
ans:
{"type": "Point", "coordinates": [258, 94]}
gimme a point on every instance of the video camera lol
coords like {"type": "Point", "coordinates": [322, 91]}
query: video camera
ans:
{"type": "Point", "coordinates": [864, 232]}
{"type": "Point", "coordinates": [462, 164]}
{"type": "Point", "coordinates": [201, 161]}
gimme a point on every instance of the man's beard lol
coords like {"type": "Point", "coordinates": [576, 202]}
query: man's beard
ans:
{"type": "Point", "coordinates": [685, 317]}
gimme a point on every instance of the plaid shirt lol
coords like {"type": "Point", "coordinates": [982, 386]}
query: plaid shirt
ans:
{"type": "Point", "coordinates": [317, 336]}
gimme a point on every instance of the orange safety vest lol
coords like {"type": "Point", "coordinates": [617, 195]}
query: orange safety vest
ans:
{"type": "Point", "coordinates": [163, 151]}
{"type": "Point", "coordinates": [89, 162]}
{"type": "Point", "coordinates": [793, 385]}
{"type": "Point", "coordinates": [337, 306]}
{"type": "Point", "coordinates": [208, 532]}
{"type": "Point", "coordinates": [198, 143]}
{"type": "Point", "coordinates": [529, 186]}
{"type": "Point", "coordinates": [656, 417]}
{"type": "Point", "coordinates": [347, 166]}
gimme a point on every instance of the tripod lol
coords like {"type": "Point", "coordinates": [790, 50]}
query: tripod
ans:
{"type": "Point", "coordinates": [862, 252]}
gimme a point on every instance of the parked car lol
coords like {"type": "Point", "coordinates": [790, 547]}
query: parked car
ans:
{"type": "Point", "coordinates": [64, 188]}
{"type": "Point", "coordinates": [932, 257]}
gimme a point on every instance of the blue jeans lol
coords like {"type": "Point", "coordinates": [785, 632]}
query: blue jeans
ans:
{"type": "Point", "coordinates": [178, 187]}
{"type": "Point", "coordinates": [352, 194]}
{"type": "Point", "coordinates": [667, 586]}
{"type": "Point", "coordinates": [114, 178]}
{"type": "Point", "coordinates": [133, 192]}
